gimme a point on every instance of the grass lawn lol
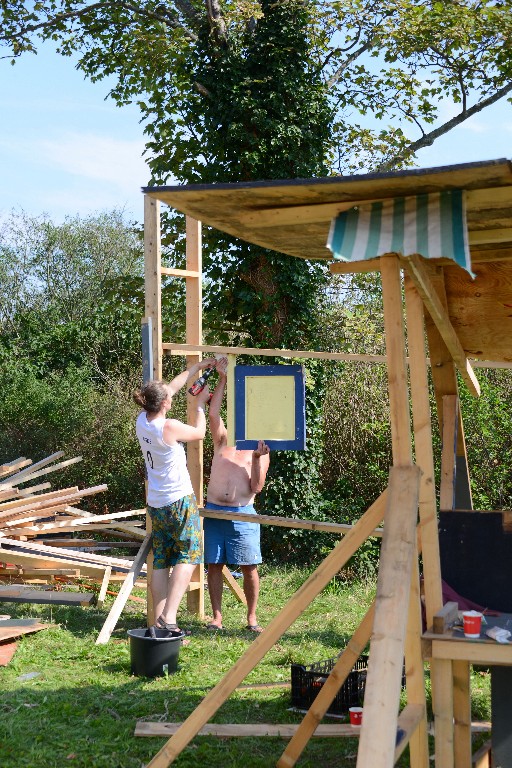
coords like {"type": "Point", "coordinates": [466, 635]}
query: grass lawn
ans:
{"type": "Point", "coordinates": [81, 708]}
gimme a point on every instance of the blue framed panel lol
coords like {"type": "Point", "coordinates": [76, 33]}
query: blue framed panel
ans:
{"type": "Point", "coordinates": [270, 405]}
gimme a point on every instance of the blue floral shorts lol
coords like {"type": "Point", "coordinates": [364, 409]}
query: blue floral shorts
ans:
{"type": "Point", "coordinates": [176, 533]}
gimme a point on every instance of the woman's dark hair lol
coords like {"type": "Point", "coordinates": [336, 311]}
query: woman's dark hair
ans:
{"type": "Point", "coordinates": [151, 396]}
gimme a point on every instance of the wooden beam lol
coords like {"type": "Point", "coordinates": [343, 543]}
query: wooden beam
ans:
{"type": "Point", "coordinates": [237, 731]}
{"type": "Point", "coordinates": [128, 584]}
{"type": "Point", "coordinates": [445, 383]}
{"type": "Point", "coordinates": [445, 618]}
{"type": "Point", "coordinates": [442, 704]}
{"type": "Point", "coordinates": [422, 427]}
{"type": "Point", "coordinates": [408, 721]}
{"type": "Point", "coordinates": [152, 278]}
{"type": "Point", "coordinates": [25, 478]}
{"type": "Point", "coordinates": [449, 449]}
{"type": "Point", "coordinates": [285, 216]}
{"type": "Point", "coordinates": [415, 675]}
{"type": "Point", "coordinates": [355, 267]}
{"type": "Point", "coordinates": [38, 465]}
{"type": "Point", "coordinates": [180, 272]}
{"type": "Point", "coordinates": [271, 634]}
{"type": "Point", "coordinates": [383, 682]}
{"type": "Point", "coordinates": [397, 369]}
{"type": "Point", "coordinates": [461, 713]}
{"type": "Point", "coordinates": [104, 586]}
{"type": "Point", "coordinates": [330, 688]}
{"type": "Point", "coordinates": [286, 522]}
{"type": "Point", "coordinates": [481, 236]}
{"type": "Point", "coordinates": [233, 585]}
{"type": "Point", "coordinates": [419, 275]}
{"type": "Point", "coordinates": [187, 349]}
{"type": "Point", "coordinates": [194, 335]}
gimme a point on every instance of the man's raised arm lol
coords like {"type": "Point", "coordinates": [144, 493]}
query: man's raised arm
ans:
{"type": "Point", "coordinates": [217, 427]}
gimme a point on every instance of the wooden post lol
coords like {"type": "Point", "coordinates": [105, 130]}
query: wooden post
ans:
{"type": "Point", "coordinates": [441, 674]}
{"type": "Point", "coordinates": [194, 335]}
{"type": "Point", "coordinates": [462, 713]}
{"type": "Point", "coordinates": [448, 465]}
{"type": "Point", "coordinates": [152, 278]}
{"type": "Point", "coordinates": [445, 383]}
{"type": "Point", "coordinates": [153, 317]}
{"type": "Point", "coordinates": [382, 696]}
{"type": "Point", "coordinates": [414, 672]}
{"type": "Point", "coordinates": [397, 366]}
{"type": "Point", "coordinates": [422, 426]}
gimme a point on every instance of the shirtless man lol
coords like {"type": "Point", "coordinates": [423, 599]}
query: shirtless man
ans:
{"type": "Point", "coordinates": [235, 478]}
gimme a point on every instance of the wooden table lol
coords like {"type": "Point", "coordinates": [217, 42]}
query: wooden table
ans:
{"type": "Point", "coordinates": [452, 654]}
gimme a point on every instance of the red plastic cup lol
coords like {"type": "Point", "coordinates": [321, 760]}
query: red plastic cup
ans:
{"type": "Point", "coordinates": [356, 715]}
{"type": "Point", "coordinates": [472, 623]}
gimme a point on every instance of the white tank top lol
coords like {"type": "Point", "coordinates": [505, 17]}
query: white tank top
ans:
{"type": "Point", "coordinates": [168, 477]}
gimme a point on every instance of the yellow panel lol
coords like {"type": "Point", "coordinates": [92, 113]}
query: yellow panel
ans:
{"type": "Point", "coordinates": [269, 408]}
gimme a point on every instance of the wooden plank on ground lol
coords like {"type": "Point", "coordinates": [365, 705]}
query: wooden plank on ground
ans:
{"type": "Point", "coordinates": [285, 730]}
{"type": "Point", "coordinates": [41, 596]}
{"type": "Point", "coordinates": [11, 628]}
{"type": "Point", "coordinates": [124, 592]}
{"type": "Point", "coordinates": [383, 682]}
{"type": "Point", "coordinates": [271, 634]}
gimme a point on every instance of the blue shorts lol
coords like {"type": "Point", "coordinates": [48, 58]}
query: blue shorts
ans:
{"type": "Point", "coordinates": [231, 541]}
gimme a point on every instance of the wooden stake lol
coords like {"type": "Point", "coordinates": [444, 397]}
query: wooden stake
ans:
{"type": "Point", "coordinates": [383, 683]}
{"type": "Point", "coordinates": [124, 592]}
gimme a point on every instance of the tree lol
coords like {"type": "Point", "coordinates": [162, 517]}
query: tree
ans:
{"type": "Point", "coordinates": [265, 89]}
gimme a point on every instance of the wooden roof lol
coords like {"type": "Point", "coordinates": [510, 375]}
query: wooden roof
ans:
{"type": "Point", "coordinates": [293, 217]}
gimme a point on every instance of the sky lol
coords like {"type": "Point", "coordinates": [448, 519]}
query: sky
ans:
{"type": "Point", "coordinates": [66, 151]}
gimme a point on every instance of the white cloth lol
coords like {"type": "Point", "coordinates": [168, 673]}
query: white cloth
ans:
{"type": "Point", "coordinates": [168, 476]}
{"type": "Point", "coordinates": [498, 634]}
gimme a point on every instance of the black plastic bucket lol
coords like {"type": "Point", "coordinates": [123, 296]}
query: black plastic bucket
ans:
{"type": "Point", "coordinates": [154, 656]}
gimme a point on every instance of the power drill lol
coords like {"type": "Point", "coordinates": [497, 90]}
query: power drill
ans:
{"type": "Point", "coordinates": [201, 382]}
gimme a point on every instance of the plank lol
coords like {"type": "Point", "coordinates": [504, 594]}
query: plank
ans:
{"type": "Point", "coordinates": [11, 466]}
{"type": "Point", "coordinates": [287, 522]}
{"type": "Point", "coordinates": [44, 561]}
{"type": "Point", "coordinates": [445, 618]}
{"type": "Point", "coordinates": [284, 731]}
{"type": "Point", "coordinates": [448, 454]}
{"type": "Point", "coordinates": [104, 586]}
{"type": "Point", "coordinates": [461, 714]}
{"type": "Point", "coordinates": [194, 335]}
{"type": "Point", "coordinates": [408, 721]}
{"type": "Point", "coordinates": [8, 507]}
{"type": "Point", "coordinates": [233, 585]}
{"type": "Point", "coordinates": [11, 628]}
{"type": "Point", "coordinates": [383, 682]}
{"type": "Point", "coordinates": [128, 584]}
{"type": "Point", "coordinates": [38, 465]}
{"type": "Point", "coordinates": [60, 597]}
{"type": "Point", "coordinates": [26, 478]}
{"type": "Point", "coordinates": [397, 369]}
{"type": "Point", "coordinates": [328, 691]}
{"type": "Point", "coordinates": [422, 427]}
{"type": "Point", "coordinates": [185, 349]}
{"type": "Point", "coordinates": [68, 555]}
{"type": "Point", "coordinates": [441, 674]}
{"type": "Point", "coordinates": [419, 275]}
{"type": "Point", "coordinates": [153, 278]}
{"type": "Point", "coordinates": [271, 634]}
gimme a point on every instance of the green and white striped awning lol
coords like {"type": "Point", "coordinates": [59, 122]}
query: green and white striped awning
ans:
{"type": "Point", "coordinates": [431, 225]}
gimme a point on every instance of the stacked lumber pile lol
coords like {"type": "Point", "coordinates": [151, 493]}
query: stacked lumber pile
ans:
{"type": "Point", "coordinates": [33, 549]}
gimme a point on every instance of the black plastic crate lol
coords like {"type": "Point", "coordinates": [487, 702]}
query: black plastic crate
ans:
{"type": "Point", "coordinates": [307, 682]}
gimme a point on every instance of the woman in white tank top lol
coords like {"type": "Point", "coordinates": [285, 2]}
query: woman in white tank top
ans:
{"type": "Point", "coordinates": [170, 498]}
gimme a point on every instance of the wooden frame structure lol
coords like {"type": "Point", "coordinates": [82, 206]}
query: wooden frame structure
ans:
{"type": "Point", "coordinates": [462, 319]}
